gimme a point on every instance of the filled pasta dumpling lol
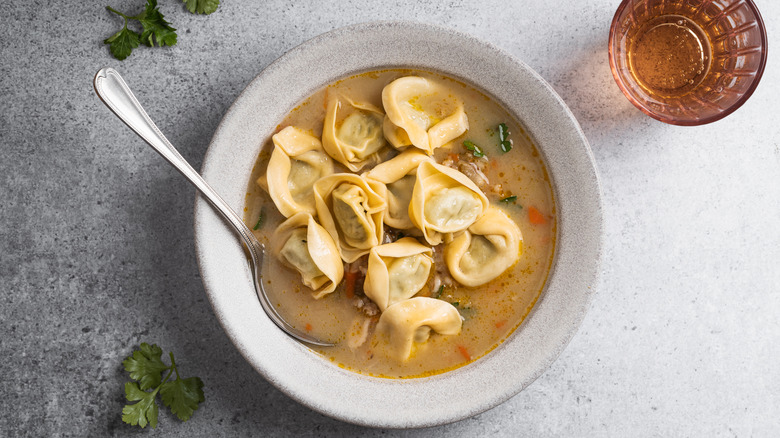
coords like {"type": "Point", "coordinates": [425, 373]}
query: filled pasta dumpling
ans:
{"type": "Point", "coordinates": [397, 271]}
{"type": "Point", "coordinates": [444, 201]}
{"type": "Point", "coordinates": [488, 248]}
{"type": "Point", "coordinates": [399, 175]}
{"type": "Point", "coordinates": [396, 136]}
{"type": "Point", "coordinates": [428, 113]}
{"type": "Point", "coordinates": [349, 207]}
{"type": "Point", "coordinates": [353, 132]}
{"type": "Point", "coordinates": [296, 163]}
{"type": "Point", "coordinates": [302, 244]}
{"type": "Point", "coordinates": [411, 321]}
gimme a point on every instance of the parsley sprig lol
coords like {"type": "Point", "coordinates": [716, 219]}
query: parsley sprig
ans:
{"type": "Point", "coordinates": [156, 31]}
{"type": "Point", "coordinates": [145, 366]}
{"type": "Point", "coordinates": [260, 219]}
{"type": "Point", "coordinates": [503, 137]}
{"type": "Point", "coordinates": [201, 6]}
{"type": "Point", "coordinates": [510, 200]}
{"type": "Point", "coordinates": [473, 148]}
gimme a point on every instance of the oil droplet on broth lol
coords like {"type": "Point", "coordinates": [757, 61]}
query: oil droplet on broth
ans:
{"type": "Point", "coordinates": [669, 55]}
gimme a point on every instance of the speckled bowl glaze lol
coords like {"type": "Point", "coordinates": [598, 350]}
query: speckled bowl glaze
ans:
{"type": "Point", "coordinates": [402, 403]}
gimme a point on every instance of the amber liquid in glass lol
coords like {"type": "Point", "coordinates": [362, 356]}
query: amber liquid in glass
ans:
{"type": "Point", "coordinates": [669, 55]}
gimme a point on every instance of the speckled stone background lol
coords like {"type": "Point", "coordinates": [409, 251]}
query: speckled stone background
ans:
{"type": "Point", "coordinates": [683, 337]}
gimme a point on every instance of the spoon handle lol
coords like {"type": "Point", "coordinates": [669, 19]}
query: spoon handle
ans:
{"type": "Point", "coordinates": [115, 93]}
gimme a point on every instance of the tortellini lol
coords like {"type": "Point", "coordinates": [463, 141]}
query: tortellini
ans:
{"type": "Point", "coordinates": [296, 163]}
{"type": "Point", "coordinates": [391, 176]}
{"type": "Point", "coordinates": [411, 321]}
{"type": "Point", "coordinates": [488, 248]}
{"type": "Point", "coordinates": [397, 137]}
{"type": "Point", "coordinates": [399, 176]}
{"type": "Point", "coordinates": [353, 133]}
{"type": "Point", "coordinates": [352, 212]}
{"type": "Point", "coordinates": [444, 201]}
{"type": "Point", "coordinates": [302, 244]}
{"type": "Point", "coordinates": [397, 271]}
{"type": "Point", "coordinates": [427, 111]}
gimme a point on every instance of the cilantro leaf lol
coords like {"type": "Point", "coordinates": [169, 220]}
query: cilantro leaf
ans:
{"type": "Point", "coordinates": [503, 135]}
{"type": "Point", "coordinates": [145, 365]}
{"type": "Point", "coordinates": [142, 413]}
{"type": "Point", "coordinates": [508, 199]}
{"type": "Point", "coordinates": [475, 150]}
{"type": "Point", "coordinates": [182, 396]}
{"type": "Point", "coordinates": [155, 31]}
{"type": "Point", "coordinates": [154, 25]}
{"type": "Point", "coordinates": [122, 43]}
{"type": "Point", "coordinates": [201, 6]}
{"type": "Point", "coordinates": [260, 219]}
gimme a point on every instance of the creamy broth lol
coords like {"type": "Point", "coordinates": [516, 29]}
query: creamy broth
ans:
{"type": "Point", "coordinates": [490, 312]}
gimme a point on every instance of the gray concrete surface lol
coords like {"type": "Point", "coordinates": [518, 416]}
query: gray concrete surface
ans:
{"type": "Point", "coordinates": [97, 247]}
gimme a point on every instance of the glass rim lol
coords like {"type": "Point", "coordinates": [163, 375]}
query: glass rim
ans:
{"type": "Point", "coordinates": [685, 122]}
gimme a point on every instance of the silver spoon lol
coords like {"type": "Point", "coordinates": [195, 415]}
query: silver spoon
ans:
{"type": "Point", "coordinates": [115, 93]}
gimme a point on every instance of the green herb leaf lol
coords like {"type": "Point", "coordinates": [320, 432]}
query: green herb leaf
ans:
{"type": "Point", "coordinates": [156, 31]}
{"type": "Point", "coordinates": [201, 6]}
{"type": "Point", "coordinates": [260, 220]}
{"type": "Point", "coordinates": [509, 199]}
{"type": "Point", "coordinates": [122, 43]}
{"type": "Point", "coordinates": [155, 27]}
{"type": "Point", "coordinates": [503, 135]}
{"type": "Point", "coordinates": [182, 396]}
{"type": "Point", "coordinates": [475, 150]}
{"type": "Point", "coordinates": [439, 292]}
{"type": "Point", "coordinates": [456, 303]}
{"type": "Point", "coordinates": [142, 413]}
{"type": "Point", "coordinates": [145, 365]}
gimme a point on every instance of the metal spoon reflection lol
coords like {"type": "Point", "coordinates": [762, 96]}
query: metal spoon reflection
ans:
{"type": "Point", "coordinates": [115, 93]}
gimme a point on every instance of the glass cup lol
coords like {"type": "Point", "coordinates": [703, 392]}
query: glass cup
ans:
{"type": "Point", "coordinates": [687, 62]}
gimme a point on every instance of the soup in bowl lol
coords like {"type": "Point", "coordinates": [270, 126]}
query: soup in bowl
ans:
{"type": "Point", "coordinates": [427, 203]}
{"type": "Point", "coordinates": [415, 253]}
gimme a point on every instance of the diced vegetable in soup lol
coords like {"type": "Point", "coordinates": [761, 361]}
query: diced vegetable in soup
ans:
{"type": "Point", "coordinates": [410, 219]}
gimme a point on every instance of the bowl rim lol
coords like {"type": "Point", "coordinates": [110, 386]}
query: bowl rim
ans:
{"type": "Point", "coordinates": [360, 399]}
{"type": "Point", "coordinates": [670, 120]}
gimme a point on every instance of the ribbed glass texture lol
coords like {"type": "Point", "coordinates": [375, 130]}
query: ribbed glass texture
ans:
{"type": "Point", "coordinates": [738, 51]}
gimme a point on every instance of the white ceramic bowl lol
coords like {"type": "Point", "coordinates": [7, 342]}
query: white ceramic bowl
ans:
{"type": "Point", "coordinates": [469, 390]}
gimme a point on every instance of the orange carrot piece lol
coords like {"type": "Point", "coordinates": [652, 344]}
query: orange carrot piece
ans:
{"type": "Point", "coordinates": [454, 157]}
{"type": "Point", "coordinates": [349, 283]}
{"type": "Point", "coordinates": [501, 323]}
{"type": "Point", "coordinates": [535, 216]}
{"type": "Point", "coordinates": [308, 327]}
{"type": "Point", "coordinates": [464, 352]}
